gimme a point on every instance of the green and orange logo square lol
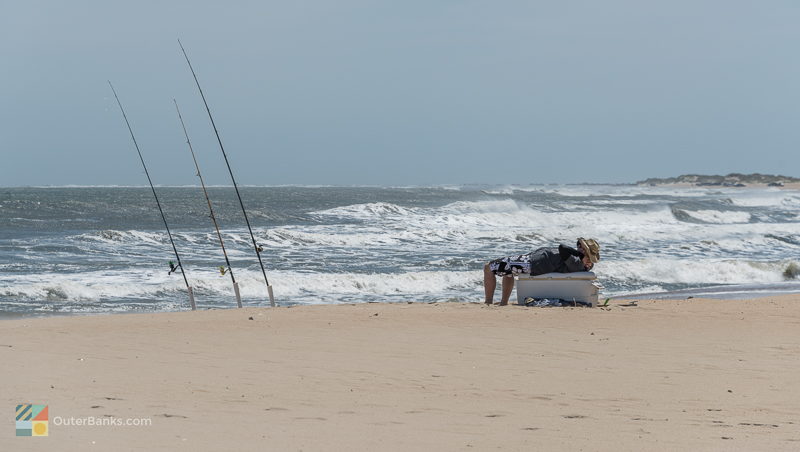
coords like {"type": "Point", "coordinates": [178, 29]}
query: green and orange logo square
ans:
{"type": "Point", "coordinates": [32, 420]}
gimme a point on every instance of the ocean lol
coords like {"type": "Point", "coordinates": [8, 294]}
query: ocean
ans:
{"type": "Point", "coordinates": [76, 250]}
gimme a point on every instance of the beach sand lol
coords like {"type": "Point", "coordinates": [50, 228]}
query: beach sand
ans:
{"type": "Point", "coordinates": [663, 375]}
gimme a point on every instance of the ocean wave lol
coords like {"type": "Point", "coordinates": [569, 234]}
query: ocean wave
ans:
{"type": "Point", "coordinates": [620, 202]}
{"type": "Point", "coordinates": [349, 237]}
{"type": "Point", "coordinates": [115, 236]}
{"type": "Point", "coordinates": [720, 217]}
{"type": "Point", "coordinates": [793, 239]}
{"type": "Point", "coordinates": [509, 218]}
{"type": "Point", "coordinates": [475, 225]}
{"type": "Point", "coordinates": [588, 191]}
{"type": "Point", "coordinates": [500, 191]}
{"type": "Point", "coordinates": [295, 287]}
{"type": "Point", "coordinates": [712, 216]}
{"type": "Point", "coordinates": [694, 272]}
{"type": "Point", "coordinates": [369, 210]}
{"type": "Point", "coordinates": [654, 288]}
{"type": "Point", "coordinates": [393, 245]}
{"type": "Point", "coordinates": [405, 285]}
{"type": "Point", "coordinates": [485, 206]}
{"type": "Point", "coordinates": [767, 198]}
{"type": "Point", "coordinates": [71, 291]}
{"type": "Point", "coordinates": [91, 286]}
{"type": "Point", "coordinates": [467, 226]}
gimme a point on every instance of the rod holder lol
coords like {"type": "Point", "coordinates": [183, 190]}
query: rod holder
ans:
{"type": "Point", "coordinates": [271, 296]}
{"type": "Point", "coordinates": [191, 297]}
{"type": "Point", "coordinates": [238, 296]}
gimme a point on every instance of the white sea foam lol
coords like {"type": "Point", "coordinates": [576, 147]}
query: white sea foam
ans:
{"type": "Point", "coordinates": [298, 287]}
{"type": "Point", "coordinates": [719, 217]}
{"type": "Point", "coordinates": [368, 211]}
{"type": "Point", "coordinates": [88, 286]}
{"type": "Point", "coordinates": [655, 288]}
{"type": "Point", "coordinates": [670, 238]}
{"type": "Point", "coordinates": [639, 275]}
{"type": "Point", "coordinates": [778, 198]}
{"type": "Point", "coordinates": [472, 225]}
{"type": "Point", "coordinates": [585, 191]}
{"type": "Point", "coordinates": [692, 272]}
{"type": "Point", "coordinates": [119, 237]}
{"type": "Point", "coordinates": [313, 287]}
{"type": "Point", "coordinates": [320, 236]}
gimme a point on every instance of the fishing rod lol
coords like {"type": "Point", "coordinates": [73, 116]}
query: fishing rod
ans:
{"type": "Point", "coordinates": [222, 270]}
{"type": "Point", "coordinates": [172, 267]}
{"type": "Point", "coordinates": [222, 148]}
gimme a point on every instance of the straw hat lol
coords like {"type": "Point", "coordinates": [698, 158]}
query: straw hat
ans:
{"type": "Point", "coordinates": [591, 248]}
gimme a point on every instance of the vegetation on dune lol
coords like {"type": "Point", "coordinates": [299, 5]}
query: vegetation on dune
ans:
{"type": "Point", "coordinates": [732, 179]}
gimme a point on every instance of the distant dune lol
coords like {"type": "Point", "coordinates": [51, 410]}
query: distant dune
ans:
{"type": "Point", "coordinates": [730, 180]}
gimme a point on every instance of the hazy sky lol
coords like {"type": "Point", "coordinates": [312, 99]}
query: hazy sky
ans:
{"type": "Point", "coordinates": [399, 92]}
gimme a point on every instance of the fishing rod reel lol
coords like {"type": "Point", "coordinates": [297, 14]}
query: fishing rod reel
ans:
{"type": "Point", "coordinates": [173, 268]}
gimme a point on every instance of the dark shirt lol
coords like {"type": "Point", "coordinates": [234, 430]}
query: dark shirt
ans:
{"type": "Point", "coordinates": [563, 259]}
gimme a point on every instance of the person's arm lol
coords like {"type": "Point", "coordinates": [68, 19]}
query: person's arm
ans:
{"type": "Point", "coordinates": [574, 264]}
{"type": "Point", "coordinates": [566, 251]}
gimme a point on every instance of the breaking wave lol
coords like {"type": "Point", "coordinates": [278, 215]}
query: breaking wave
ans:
{"type": "Point", "coordinates": [688, 272]}
{"type": "Point", "coordinates": [213, 290]}
{"type": "Point", "coordinates": [368, 211]}
{"type": "Point", "coordinates": [327, 245]}
{"type": "Point", "coordinates": [123, 237]}
{"type": "Point", "coordinates": [711, 216]}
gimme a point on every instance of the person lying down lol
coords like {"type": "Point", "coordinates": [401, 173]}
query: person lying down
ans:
{"type": "Point", "coordinates": [564, 259]}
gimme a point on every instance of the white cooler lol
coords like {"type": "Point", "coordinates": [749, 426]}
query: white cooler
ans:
{"type": "Point", "coordinates": [578, 286]}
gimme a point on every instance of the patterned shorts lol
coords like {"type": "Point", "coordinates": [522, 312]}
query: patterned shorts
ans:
{"type": "Point", "coordinates": [511, 265]}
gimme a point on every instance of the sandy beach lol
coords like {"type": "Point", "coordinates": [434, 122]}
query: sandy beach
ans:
{"type": "Point", "coordinates": [662, 375]}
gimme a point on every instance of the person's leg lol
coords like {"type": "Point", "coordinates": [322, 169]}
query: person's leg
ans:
{"type": "Point", "coordinates": [489, 283]}
{"type": "Point", "coordinates": [508, 286]}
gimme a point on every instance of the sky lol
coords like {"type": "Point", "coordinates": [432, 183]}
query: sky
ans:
{"type": "Point", "coordinates": [360, 92]}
